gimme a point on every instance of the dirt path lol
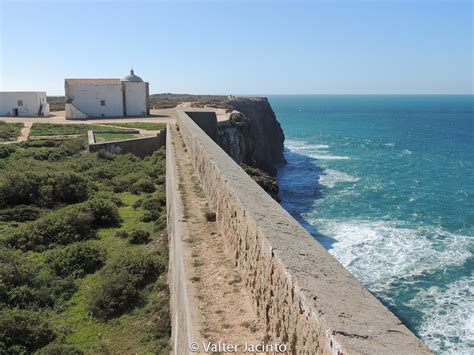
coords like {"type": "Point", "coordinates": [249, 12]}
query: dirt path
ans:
{"type": "Point", "coordinates": [225, 306]}
{"type": "Point", "coordinates": [24, 134]}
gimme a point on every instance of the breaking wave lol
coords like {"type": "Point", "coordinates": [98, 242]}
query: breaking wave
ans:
{"type": "Point", "coordinates": [331, 177]}
{"type": "Point", "coordinates": [385, 254]}
{"type": "Point", "coordinates": [379, 252]}
{"type": "Point", "coordinates": [315, 151]}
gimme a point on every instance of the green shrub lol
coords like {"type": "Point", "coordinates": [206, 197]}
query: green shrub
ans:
{"type": "Point", "coordinates": [123, 278]}
{"type": "Point", "coordinates": [161, 223]}
{"type": "Point", "coordinates": [122, 234]}
{"type": "Point", "coordinates": [127, 182]}
{"type": "Point", "coordinates": [105, 155]}
{"type": "Point", "coordinates": [20, 213]}
{"type": "Point", "coordinates": [158, 310]}
{"type": "Point", "coordinates": [148, 217]}
{"type": "Point", "coordinates": [57, 228]}
{"type": "Point", "coordinates": [20, 187]}
{"type": "Point", "coordinates": [68, 225]}
{"type": "Point", "coordinates": [59, 349]}
{"type": "Point", "coordinates": [104, 211]}
{"type": "Point", "coordinates": [75, 260]}
{"type": "Point", "coordinates": [25, 284]}
{"type": "Point", "coordinates": [9, 131]}
{"type": "Point", "coordinates": [114, 296]}
{"type": "Point", "coordinates": [109, 196]}
{"type": "Point", "coordinates": [143, 185]}
{"type": "Point", "coordinates": [139, 236]}
{"type": "Point", "coordinates": [6, 150]}
{"type": "Point", "coordinates": [145, 267]}
{"type": "Point", "coordinates": [50, 150]}
{"type": "Point", "coordinates": [49, 143]}
{"type": "Point", "coordinates": [23, 331]}
{"type": "Point", "coordinates": [155, 206]}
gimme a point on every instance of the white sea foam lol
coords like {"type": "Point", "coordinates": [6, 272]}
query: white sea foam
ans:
{"type": "Point", "coordinates": [380, 252]}
{"type": "Point", "coordinates": [448, 316]}
{"type": "Point", "coordinates": [331, 177]}
{"type": "Point", "coordinates": [328, 157]}
{"type": "Point", "coordinates": [302, 145]}
{"type": "Point", "coordinates": [315, 151]}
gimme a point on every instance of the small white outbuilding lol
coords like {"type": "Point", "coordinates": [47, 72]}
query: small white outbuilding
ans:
{"type": "Point", "coordinates": [87, 98]}
{"type": "Point", "coordinates": [23, 103]}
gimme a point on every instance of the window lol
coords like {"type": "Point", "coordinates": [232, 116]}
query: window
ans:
{"type": "Point", "coordinates": [20, 103]}
{"type": "Point", "coordinates": [102, 102]}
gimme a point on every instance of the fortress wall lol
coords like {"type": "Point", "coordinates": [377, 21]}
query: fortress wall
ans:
{"type": "Point", "coordinates": [141, 147]}
{"type": "Point", "coordinates": [305, 297]}
{"type": "Point", "coordinates": [182, 330]}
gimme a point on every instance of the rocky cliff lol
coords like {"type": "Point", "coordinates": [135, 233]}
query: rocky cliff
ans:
{"type": "Point", "coordinates": [253, 135]}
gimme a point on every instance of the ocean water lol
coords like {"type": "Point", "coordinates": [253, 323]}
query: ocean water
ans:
{"type": "Point", "coordinates": [386, 184]}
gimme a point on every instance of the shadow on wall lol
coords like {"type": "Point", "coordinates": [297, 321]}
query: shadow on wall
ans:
{"type": "Point", "coordinates": [303, 175]}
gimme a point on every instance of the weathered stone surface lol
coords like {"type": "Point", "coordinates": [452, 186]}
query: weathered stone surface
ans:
{"type": "Point", "coordinates": [253, 137]}
{"type": "Point", "coordinates": [304, 295]}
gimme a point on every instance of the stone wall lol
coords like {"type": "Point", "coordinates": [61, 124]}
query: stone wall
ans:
{"type": "Point", "coordinates": [305, 297]}
{"type": "Point", "coordinates": [140, 147]}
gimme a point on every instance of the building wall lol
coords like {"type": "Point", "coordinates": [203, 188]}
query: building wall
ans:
{"type": "Point", "coordinates": [86, 98]}
{"type": "Point", "coordinates": [135, 98]}
{"type": "Point", "coordinates": [303, 295]}
{"type": "Point", "coordinates": [32, 103]}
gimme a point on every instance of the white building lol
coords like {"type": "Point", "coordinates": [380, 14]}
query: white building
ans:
{"type": "Point", "coordinates": [87, 98]}
{"type": "Point", "coordinates": [23, 103]}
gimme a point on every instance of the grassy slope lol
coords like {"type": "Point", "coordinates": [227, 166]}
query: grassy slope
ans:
{"type": "Point", "coordinates": [130, 332]}
{"type": "Point", "coordinates": [125, 333]}
{"type": "Point", "coordinates": [9, 131]}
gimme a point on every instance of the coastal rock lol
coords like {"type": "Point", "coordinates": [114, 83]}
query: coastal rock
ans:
{"type": "Point", "coordinates": [252, 136]}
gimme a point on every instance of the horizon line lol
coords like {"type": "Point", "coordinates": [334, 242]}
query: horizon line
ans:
{"type": "Point", "coordinates": [306, 94]}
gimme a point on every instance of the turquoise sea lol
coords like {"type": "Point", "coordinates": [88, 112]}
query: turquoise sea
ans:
{"type": "Point", "coordinates": [386, 184]}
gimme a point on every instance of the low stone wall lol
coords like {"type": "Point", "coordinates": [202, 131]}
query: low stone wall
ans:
{"type": "Point", "coordinates": [305, 297]}
{"type": "Point", "coordinates": [140, 147]}
{"type": "Point", "coordinates": [182, 330]}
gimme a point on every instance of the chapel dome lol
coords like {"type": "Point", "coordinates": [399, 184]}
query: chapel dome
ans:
{"type": "Point", "coordinates": [132, 77]}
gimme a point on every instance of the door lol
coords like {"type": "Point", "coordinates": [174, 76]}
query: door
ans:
{"type": "Point", "coordinates": [15, 112]}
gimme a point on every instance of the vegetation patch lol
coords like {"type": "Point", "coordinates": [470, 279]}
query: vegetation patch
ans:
{"type": "Point", "coordinates": [54, 129]}
{"type": "Point", "coordinates": [9, 131]}
{"type": "Point", "coordinates": [56, 103]}
{"type": "Point", "coordinates": [83, 259]}
{"type": "Point", "coordinates": [266, 182]}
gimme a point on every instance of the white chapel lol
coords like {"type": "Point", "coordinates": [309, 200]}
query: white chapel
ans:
{"type": "Point", "coordinates": [95, 98]}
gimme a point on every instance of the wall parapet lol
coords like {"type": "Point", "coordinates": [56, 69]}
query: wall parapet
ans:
{"type": "Point", "coordinates": [304, 296]}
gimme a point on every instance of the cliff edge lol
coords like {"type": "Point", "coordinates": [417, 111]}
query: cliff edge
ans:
{"type": "Point", "coordinates": [252, 136]}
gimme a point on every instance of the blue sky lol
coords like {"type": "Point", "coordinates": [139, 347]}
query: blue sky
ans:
{"type": "Point", "coordinates": [242, 47]}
